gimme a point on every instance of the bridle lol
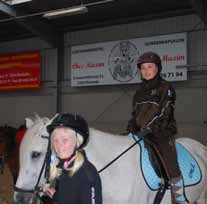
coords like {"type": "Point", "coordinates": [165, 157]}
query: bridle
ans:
{"type": "Point", "coordinates": [38, 189]}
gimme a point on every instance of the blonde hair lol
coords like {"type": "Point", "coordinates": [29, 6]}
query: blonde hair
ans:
{"type": "Point", "coordinates": [55, 171]}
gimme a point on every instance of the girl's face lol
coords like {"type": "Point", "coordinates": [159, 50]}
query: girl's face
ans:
{"type": "Point", "coordinates": [148, 70]}
{"type": "Point", "coordinates": [64, 142]}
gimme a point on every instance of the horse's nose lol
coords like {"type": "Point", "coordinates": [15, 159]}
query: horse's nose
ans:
{"type": "Point", "coordinates": [22, 198]}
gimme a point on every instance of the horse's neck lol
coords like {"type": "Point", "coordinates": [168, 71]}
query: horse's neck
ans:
{"type": "Point", "coordinates": [106, 146]}
{"type": "Point", "coordinates": [100, 140]}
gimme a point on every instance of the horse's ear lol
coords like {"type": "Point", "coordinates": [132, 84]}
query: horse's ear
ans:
{"type": "Point", "coordinates": [29, 122]}
{"type": "Point", "coordinates": [36, 116]}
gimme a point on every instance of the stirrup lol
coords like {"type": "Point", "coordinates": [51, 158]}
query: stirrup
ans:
{"type": "Point", "coordinates": [178, 190]}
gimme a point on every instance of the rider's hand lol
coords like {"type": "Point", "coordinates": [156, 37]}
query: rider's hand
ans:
{"type": "Point", "coordinates": [132, 127]}
{"type": "Point", "coordinates": [145, 132]}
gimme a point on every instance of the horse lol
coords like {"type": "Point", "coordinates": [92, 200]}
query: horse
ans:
{"type": "Point", "coordinates": [9, 151]}
{"type": "Point", "coordinates": [122, 180]}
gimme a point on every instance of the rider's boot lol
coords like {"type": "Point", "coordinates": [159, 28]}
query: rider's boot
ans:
{"type": "Point", "coordinates": [177, 186]}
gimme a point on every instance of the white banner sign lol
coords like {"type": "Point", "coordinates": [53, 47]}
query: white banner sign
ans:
{"type": "Point", "coordinates": [115, 62]}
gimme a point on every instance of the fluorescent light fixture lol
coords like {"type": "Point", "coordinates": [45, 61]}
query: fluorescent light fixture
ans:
{"type": "Point", "coordinates": [66, 12]}
{"type": "Point", "coordinates": [14, 2]}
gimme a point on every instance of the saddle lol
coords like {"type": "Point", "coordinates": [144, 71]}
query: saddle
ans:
{"type": "Point", "coordinates": [189, 167]}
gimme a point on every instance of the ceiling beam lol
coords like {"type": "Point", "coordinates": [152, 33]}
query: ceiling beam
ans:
{"type": "Point", "coordinates": [43, 30]}
{"type": "Point", "coordinates": [5, 8]}
{"type": "Point", "coordinates": [38, 28]}
{"type": "Point", "coordinates": [201, 9]}
{"type": "Point", "coordinates": [126, 20]}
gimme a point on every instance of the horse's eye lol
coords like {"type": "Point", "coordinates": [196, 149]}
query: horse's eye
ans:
{"type": "Point", "coordinates": [34, 154]}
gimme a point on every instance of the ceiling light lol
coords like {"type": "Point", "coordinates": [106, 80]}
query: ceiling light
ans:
{"type": "Point", "coordinates": [66, 12]}
{"type": "Point", "coordinates": [13, 2]}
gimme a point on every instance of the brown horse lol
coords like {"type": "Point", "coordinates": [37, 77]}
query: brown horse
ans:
{"type": "Point", "coordinates": [9, 151]}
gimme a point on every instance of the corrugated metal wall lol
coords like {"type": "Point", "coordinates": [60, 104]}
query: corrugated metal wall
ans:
{"type": "Point", "coordinates": [109, 107]}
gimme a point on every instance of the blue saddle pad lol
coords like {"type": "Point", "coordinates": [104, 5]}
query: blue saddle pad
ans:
{"type": "Point", "coordinates": [188, 165]}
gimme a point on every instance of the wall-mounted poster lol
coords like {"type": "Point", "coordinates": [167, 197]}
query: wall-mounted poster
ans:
{"type": "Point", "coordinates": [20, 71]}
{"type": "Point", "coordinates": [115, 62]}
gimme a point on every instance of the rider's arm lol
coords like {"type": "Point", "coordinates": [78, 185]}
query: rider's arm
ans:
{"type": "Point", "coordinates": [132, 126]}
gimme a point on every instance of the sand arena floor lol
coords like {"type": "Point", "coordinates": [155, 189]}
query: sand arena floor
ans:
{"type": "Point", "coordinates": [6, 187]}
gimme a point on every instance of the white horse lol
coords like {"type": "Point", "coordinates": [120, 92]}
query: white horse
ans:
{"type": "Point", "coordinates": [122, 182]}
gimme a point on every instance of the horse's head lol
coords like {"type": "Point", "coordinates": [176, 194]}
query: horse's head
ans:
{"type": "Point", "coordinates": [32, 154]}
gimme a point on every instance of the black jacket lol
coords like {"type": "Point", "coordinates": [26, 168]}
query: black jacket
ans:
{"type": "Point", "coordinates": [84, 187]}
{"type": "Point", "coordinates": [153, 108]}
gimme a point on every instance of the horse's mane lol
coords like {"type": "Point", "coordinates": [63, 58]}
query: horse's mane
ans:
{"type": "Point", "coordinates": [107, 133]}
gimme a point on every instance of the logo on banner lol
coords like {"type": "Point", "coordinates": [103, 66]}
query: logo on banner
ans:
{"type": "Point", "coordinates": [122, 61]}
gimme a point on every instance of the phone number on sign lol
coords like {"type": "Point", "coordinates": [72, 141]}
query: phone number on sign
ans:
{"type": "Point", "coordinates": [172, 74]}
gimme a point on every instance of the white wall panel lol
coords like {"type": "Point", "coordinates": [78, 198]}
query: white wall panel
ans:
{"type": "Point", "coordinates": [14, 108]}
{"type": "Point", "coordinates": [191, 112]}
{"type": "Point", "coordinates": [23, 45]}
{"type": "Point", "coordinates": [198, 48]}
{"type": "Point", "coordinates": [106, 110]}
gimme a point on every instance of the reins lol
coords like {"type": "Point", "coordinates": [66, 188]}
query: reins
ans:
{"type": "Point", "coordinates": [120, 155]}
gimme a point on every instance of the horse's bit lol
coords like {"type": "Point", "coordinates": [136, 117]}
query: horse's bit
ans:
{"type": "Point", "coordinates": [38, 189]}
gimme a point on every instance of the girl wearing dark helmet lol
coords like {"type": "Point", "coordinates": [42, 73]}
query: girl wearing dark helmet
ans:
{"type": "Point", "coordinates": [73, 179]}
{"type": "Point", "coordinates": [153, 113]}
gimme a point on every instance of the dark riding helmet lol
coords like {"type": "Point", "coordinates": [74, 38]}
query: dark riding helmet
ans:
{"type": "Point", "coordinates": [150, 57]}
{"type": "Point", "coordinates": [73, 121]}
